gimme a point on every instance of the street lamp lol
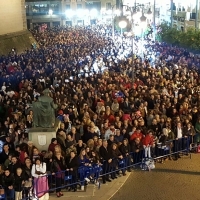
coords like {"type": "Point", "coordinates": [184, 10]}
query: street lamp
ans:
{"type": "Point", "coordinates": [122, 24]}
{"type": "Point", "coordinates": [143, 18]}
{"type": "Point", "coordinates": [93, 14]}
{"type": "Point", "coordinates": [50, 13]}
{"type": "Point", "coordinates": [133, 11]}
{"type": "Point", "coordinates": [114, 13]}
{"type": "Point", "coordinates": [196, 18]}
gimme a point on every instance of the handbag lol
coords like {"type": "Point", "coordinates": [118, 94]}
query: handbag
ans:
{"type": "Point", "coordinates": [28, 184]}
{"type": "Point", "coordinates": [2, 191]}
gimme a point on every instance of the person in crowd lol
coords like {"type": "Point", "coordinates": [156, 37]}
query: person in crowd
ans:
{"type": "Point", "coordinates": [8, 161]}
{"type": "Point", "coordinates": [99, 144]}
{"type": "Point", "coordinates": [148, 144]}
{"type": "Point", "coordinates": [8, 182]}
{"type": "Point", "coordinates": [75, 135]}
{"type": "Point", "coordinates": [36, 154]}
{"type": "Point", "coordinates": [69, 141]}
{"type": "Point", "coordinates": [188, 131]}
{"type": "Point", "coordinates": [58, 167]}
{"type": "Point", "coordinates": [19, 183]}
{"type": "Point", "coordinates": [111, 140]}
{"type": "Point", "coordinates": [79, 146]}
{"type": "Point", "coordinates": [94, 158]}
{"type": "Point", "coordinates": [137, 134]}
{"type": "Point", "coordinates": [126, 153]}
{"type": "Point", "coordinates": [38, 172]}
{"type": "Point", "coordinates": [83, 158]}
{"type": "Point", "coordinates": [117, 157]}
{"type": "Point", "coordinates": [22, 155]}
{"type": "Point", "coordinates": [137, 149]}
{"type": "Point", "coordinates": [27, 178]}
{"type": "Point", "coordinates": [179, 140]}
{"type": "Point", "coordinates": [61, 139]}
{"type": "Point", "coordinates": [71, 147]}
{"type": "Point", "coordinates": [10, 143]}
{"type": "Point", "coordinates": [14, 165]}
{"type": "Point", "coordinates": [197, 129]}
{"type": "Point", "coordinates": [106, 158]}
{"type": "Point", "coordinates": [110, 131]}
{"type": "Point", "coordinates": [52, 145]}
{"type": "Point", "coordinates": [4, 154]}
{"type": "Point", "coordinates": [30, 149]}
{"type": "Point", "coordinates": [1, 173]}
{"type": "Point", "coordinates": [118, 138]}
{"type": "Point", "coordinates": [72, 169]}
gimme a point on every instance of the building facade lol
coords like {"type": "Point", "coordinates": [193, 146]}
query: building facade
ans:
{"type": "Point", "coordinates": [13, 17]}
{"type": "Point", "coordinates": [183, 15]}
{"type": "Point", "coordinates": [67, 12]}
{"type": "Point", "coordinates": [83, 12]}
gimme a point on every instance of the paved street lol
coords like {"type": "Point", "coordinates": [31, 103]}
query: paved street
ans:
{"type": "Point", "coordinates": [174, 180]}
{"type": "Point", "coordinates": [92, 192]}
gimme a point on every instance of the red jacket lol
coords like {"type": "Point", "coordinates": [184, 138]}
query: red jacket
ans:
{"type": "Point", "coordinates": [52, 147]}
{"type": "Point", "coordinates": [148, 140]}
{"type": "Point", "coordinates": [136, 135]}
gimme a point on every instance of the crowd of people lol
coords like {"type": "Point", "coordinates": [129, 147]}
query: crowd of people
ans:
{"type": "Point", "coordinates": [108, 113]}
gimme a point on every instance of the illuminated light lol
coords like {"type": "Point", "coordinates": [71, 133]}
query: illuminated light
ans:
{"type": "Point", "coordinates": [122, 24]}
{"type": "Point", "coordinates": [137, 15]}
{"type": "Point", "coordinates": [93, 12]}
{"type": "Point", "coordinates": [86, 12]}
{"type": "Point", "coordinates": [103, 10]}
{"type": "Point", "coordinates": [117, 12]}
{"type": "Point", "coordinates": [50, 12]}
{"type": "Point", "coordinates": [69, 13]}
{"type": "Point", "coordinates": [109, 12]}
{"type": "Point", "coordinates": [80, 13]}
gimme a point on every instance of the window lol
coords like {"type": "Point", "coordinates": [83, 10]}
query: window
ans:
{"type": "Point", "coordinates": [40, 9]}
{"type": "Point", "coordinates": [28, 9]}
{"type": "Point", "coordinates": [68, 7]}
{"type": "Point", "coordinates": [79, 6]}
{"type": "Point", "coordinates": [55, 8]}
{"type": "Point", "coordinates": [108, 6]}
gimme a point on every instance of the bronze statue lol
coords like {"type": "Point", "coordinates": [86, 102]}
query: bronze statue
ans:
{"type": "Point", "coordinates": [44, 111]}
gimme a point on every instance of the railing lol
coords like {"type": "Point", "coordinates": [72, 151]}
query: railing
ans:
{"type": "Point", "coordinates": [80, 177]}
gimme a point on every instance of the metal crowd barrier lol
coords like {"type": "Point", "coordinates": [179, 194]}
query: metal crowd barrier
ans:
{"type": "Point", "coordinates": [73, 179]}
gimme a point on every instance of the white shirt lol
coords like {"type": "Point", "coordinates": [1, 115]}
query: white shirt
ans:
{"type": "Point", "coordinates": [179, 133]}
{"type": "Point", "coordinates": [108, 133]}
{"type": "Point", "coordinates": [40, 168]}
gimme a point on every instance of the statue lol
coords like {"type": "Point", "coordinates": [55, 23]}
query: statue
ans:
{"type": "Point", "coordinates": [44, 111]}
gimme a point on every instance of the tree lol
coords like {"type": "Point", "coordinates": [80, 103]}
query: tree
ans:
{"type": "Point", "coordinates": [189, 39]}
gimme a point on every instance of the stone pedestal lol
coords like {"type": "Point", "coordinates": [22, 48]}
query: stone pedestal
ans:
{"type": "Point", "coordinates": [41, 137]}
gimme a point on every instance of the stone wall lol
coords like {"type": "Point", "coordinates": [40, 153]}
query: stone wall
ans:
{"type": "Point", "coordinates": [12, 16]}
{"type": "Point", "coordinates": [21, 41]}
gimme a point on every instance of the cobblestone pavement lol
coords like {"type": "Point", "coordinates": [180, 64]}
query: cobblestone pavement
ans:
{"type": "Point", "coordinates": [173, 180]}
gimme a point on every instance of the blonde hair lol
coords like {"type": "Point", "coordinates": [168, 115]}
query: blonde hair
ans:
{"type": "Point", "coordinates": [19, 170]}
{"type": "Point", "coordinates": [57, 149]}
{"type": "Point", "coordinates": [90, 143]}
{"type": "Point", "coordinates": [1, 169]}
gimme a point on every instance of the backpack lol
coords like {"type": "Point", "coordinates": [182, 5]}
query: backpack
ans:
{"type": "Point", "coordinates": [198, 148]}
{"type": "Point", "coordinates": [147, 164]}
